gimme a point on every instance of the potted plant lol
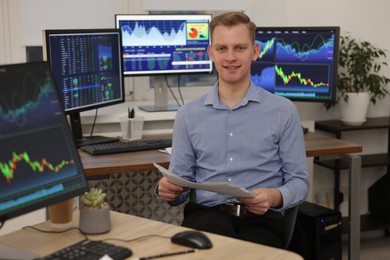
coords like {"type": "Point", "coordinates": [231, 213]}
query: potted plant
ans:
{"type": "Point", "coordinates": [94, 212]}
{"type": "Point", "coordinates": [359, 79]}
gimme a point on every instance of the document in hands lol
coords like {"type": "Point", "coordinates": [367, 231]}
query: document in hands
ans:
{"type": "Point", "coordinates": [218, 187]}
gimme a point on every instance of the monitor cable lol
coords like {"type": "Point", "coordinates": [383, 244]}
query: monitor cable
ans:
{"type": "Point", "coordinates": [94, 122]}
{"type": "Point", "coordinates": [179, 89]}
{"type": "Point", "coordinates": [170, 89]}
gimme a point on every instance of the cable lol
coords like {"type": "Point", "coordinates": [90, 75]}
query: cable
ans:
{"type": "Point", "coordinates": [86, 236]}
{"type": "Point", "coordinates": [170, 89]}
{"type": "Point", "coordinates": [179, 89]}
{"type": "Point", "coordinates": [94, 122]}
{"type": "Point", "coordinates": [135, 239]}
{"type": "Point", "coordinates": [57, 231]}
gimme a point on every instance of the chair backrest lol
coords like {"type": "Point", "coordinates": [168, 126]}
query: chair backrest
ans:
{"type": "Point", "coordinates": [290, 218]}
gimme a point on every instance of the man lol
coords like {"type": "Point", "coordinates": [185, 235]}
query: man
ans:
{"type": "Point", "coordinates": [240, 134]}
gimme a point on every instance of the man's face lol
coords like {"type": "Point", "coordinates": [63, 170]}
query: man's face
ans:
{"type": "Point", "coordinates": [232, 52]}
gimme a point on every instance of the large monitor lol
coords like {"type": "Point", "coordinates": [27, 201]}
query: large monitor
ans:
{"type": "Point", "coordinates": [158, 45]}
{"type": "Point", "coordinates": [39, 163]}
{"type": "Point", "coordinates": [299, 63]}
{"type": "Point", "coordinates": [87, 65]}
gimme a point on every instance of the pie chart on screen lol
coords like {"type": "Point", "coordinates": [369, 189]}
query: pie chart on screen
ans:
{"type": "Point", "coordinates": [193, 33]}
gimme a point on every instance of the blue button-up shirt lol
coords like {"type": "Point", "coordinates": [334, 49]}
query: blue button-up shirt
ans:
{"type": "Point", "coordinates": [258, 143]}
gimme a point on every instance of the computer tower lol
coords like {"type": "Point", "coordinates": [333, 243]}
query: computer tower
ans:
{"type": "Point", "coordinates": [379, 198]}
{"type": "Point", "coordinates": [317, 233]}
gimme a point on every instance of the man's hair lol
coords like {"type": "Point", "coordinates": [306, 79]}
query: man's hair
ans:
{"type": "Point", "coordinates": [232, 19]}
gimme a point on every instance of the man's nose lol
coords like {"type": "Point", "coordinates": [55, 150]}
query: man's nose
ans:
{"type": "Point", "coordinates": [231, 55]}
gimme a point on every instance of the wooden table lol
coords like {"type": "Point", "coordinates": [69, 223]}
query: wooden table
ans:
{"type": "Point", "coordinates": [317, 145]}
{"type": "Point", "coordinates": [95, 165]}
{"type": "Point", "coordinates": [130, 227]}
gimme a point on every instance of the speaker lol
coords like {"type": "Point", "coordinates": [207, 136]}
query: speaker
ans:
{"type": "Point", "coordinates": [317, 233]}
{"type": "Point", "coordinates": [379, 198]}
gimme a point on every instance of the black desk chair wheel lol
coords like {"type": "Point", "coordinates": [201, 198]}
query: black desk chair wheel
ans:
{"type": "Point", "coordinates": [290, 218]}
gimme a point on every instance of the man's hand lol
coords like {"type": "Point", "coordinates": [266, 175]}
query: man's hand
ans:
{"type": "Point", "coordinates": [169, 191]}
{"type": "Point", "coordinates": [264, 199]}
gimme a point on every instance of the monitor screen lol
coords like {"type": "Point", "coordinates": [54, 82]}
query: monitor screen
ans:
{"type": "Point", "coordinates": [87, 66]}
{"type": "Point", "coordinates": [38, 159]}
{"type": "Point", "coordinates": [299, 63]}
{"type": "Point", "coordinates": [164, 44]}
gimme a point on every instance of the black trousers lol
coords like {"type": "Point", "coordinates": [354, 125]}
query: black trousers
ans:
{"type": "Point", "coordinates": [258, 229]}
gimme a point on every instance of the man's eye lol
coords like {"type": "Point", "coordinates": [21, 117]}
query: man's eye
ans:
{"type": "Point", "coordinates": [220, 49]}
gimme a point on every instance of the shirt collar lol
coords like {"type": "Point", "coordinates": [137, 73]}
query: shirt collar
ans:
{"type": "Point", "coordinates": [212, 98]}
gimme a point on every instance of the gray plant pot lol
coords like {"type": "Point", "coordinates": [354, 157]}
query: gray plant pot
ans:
{"type": "Point", "coordinates": [95, 221]}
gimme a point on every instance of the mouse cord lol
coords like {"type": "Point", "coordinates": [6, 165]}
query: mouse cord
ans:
{"type": "Point", "coordinates": [135, 239]}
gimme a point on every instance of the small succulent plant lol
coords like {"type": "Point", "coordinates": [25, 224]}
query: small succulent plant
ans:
{"type": "Point", "coordinates": [95, 198]}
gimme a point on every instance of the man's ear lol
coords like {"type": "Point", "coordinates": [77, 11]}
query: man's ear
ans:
{"type": "Point", "coordinates": [256, 51]}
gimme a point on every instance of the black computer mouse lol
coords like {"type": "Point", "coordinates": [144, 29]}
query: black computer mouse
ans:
{"type": "Point", "coordinates": [192, 238]}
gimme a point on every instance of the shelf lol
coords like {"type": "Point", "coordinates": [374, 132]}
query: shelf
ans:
{"type": "Point", "coordinates": [336, 126]}
{"type": "Point", "coordinates": [368, 160]}
{"type": "Point", "coordinates": [367, 222]}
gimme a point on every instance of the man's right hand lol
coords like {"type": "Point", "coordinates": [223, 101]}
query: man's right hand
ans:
{"type": "Point", "coordinates": [169, 191]}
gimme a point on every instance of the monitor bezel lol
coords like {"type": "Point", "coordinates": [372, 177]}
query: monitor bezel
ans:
{"type": "Point", "coordinates": [46, 44]}
{"type": "Point", "coordinates": [336, 30]}
{"type": "Point", "coordinates": [164, 17]}
{"type": "Point", "coordinates": [47, 201]}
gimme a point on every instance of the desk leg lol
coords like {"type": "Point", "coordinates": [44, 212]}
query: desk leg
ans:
{"type": "Point", "coordinates": [355, 168]}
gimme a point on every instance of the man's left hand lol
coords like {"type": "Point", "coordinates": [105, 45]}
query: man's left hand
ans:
{"type": "Point", "coordinates": [264, 199]}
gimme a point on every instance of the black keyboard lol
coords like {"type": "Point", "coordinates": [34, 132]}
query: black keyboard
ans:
{"type": "Point", "coordinates": [130, 146]}
{"type": "Point", "coordinates": [90, 250]}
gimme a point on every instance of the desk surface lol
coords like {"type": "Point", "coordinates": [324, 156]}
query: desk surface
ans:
{"type": "Point", "coordinates": [316, 145]}
{"type": "Point", "coordinates": [130, 227]}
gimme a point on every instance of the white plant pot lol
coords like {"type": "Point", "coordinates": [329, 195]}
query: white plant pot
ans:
{"type": "Point", "coordinates": [95, 221]}
{"type": "Point", "coordinates": [355, 111]}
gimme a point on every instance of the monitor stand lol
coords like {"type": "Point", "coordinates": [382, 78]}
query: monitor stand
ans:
{"type": "Point", "coordinates": [80, 140]}
{"type": "Point", "coordinates": [13, 253]}
{"type": "Point", "coordinates": [155, 108]}
{"type": "Point", "coordinates": [160, 98]}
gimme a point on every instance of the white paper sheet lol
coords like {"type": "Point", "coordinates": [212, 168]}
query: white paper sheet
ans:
{"type": "Point", "coordinates": [218, 187]}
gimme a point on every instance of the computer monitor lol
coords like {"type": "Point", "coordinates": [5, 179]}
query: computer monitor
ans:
{"type": "Point", "coordinates": [299, 63]}
{"type": "Point", "coordinates": [39, 162]}
{"type": "Point", "coordinates": [158, 45]}
{"type": "Point", "coordinates": [87, 66]}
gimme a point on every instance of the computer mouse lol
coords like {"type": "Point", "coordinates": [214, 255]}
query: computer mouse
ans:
{"type": "Point", "coordinates": [193, 239]}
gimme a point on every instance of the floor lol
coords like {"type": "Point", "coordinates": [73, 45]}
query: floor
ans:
{"type": "Point", "coordinates": [371, 248]}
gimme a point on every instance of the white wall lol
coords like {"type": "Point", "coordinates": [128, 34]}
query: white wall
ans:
{"type": "Point", "coordinates": [22, 21]}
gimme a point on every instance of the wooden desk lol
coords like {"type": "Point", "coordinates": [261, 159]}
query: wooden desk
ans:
{"type": "Point", "coordinates": [317, 145]}
{"type": "Point", "coordinates": [129, 227]}
{"type": "Point", "coordinates": [95, 165]}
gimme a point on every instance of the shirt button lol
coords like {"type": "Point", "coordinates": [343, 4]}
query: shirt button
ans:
{"type": "Point", "coordinates": [231, 159]}
{"type": "Point", "coordinates": [231, 134]}
{"type": "Point", "coordinates": [229, 179]}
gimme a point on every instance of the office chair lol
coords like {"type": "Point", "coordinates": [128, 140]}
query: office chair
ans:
{"type": "Point", "coordinates": [290, 217]}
